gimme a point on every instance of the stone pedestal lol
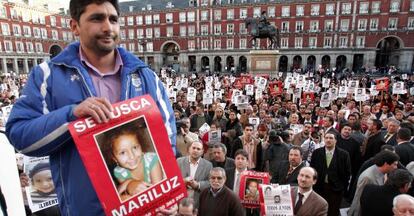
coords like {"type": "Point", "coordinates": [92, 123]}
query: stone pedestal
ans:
{"type": "Point", "coordinates": [264, 62]}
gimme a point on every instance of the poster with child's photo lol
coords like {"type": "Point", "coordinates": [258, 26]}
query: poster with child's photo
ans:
{"type": "Point", "coordinates": [41, 191]}
{"type": "Point", "coordinates": [249, 187]}
{"type": "Point", "coordinates": [129, 159]}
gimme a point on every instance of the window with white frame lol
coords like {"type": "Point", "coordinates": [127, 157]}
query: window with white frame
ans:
{"type": "Point", "coordinates": [204, 44]}
{"type": "Point", "coordinates": [140, 47]}
{"type": "Point", "coordinates": [298, 42]}
{"type": "Point", "coordinates": [190, 16]}
{"type": "Point", "coordinates": [183, 31]}
{"type": "Point", "coordinates": [285, 26]}
{"type": "Point", "coordinates": [242, 28]}
{"type": "Point", "coordinates": [330, 9]}
{"type": "Point", "coordinates": [300, 10]}
{"type": "Point", "coordinates": [299, 26]}
{"type": "Point", "coordinates": [121, 21]}
{"type": "Point", "coordinates": [169, 18]}
{"type": "Point", "coordinates": [204, 2]}
{"type": "Point", "coordinates": [328, 25]}
{"type": "Point", "coordinates": [183, 17]}
{"type": "Point", "coordinates": [43, 31]}
{"type": "Point", "coordinates": [35, 18]}
{"type": "Point", "coordinates": [139, 20]}
{"type": "Point", "coordinates": [156, 18]}
{"type": "Point", "coordinates": [148, 32]}
{"type": "Point", "coordinates": [313, 42]}
{"type": "Point", "coordinates": [204, 15]}
{"type": "Point", "coordinates": [191, 45]}
{"type": "Point", "coordinates": [148, 19]}
{"type": "Point", "coordinates": [191, 30]}
{"type": "Point", "coordinates": [5, 29]}
{"type": "Point", "coordinates": [344, 25]}
{"type": "Point", "coordinates": [39, 47]}
{"type": "Point", "coordinates": [362, 24]}
{"type": "Point", "coordinates": [315, 9]}
{"type": "Point", "coordinates": [217, 44]}
{"type": "Point", "coordinates": [395, 6]}
{"type": "Point", "coordinates": [16, 30]}
{"type": "Point", "coordinates": [373, 26]}
{"type": "Point", "coordinates": [29, 47]}
{"type": "Point", "coordinates": [122, 34]}
{"type": "Point", "coordinates": [217, 15]}
{"type": "Point", "coordinates": [217, 29]}
{"type": "Point", "coordinates": [55, 35]}
{"type": "Point", "coordinates": [230, 28]}
{"type": "Point", "coordinates": [327, 42]}
{"type": "Point", "coordinates": [64, 35]}
{"type": "Point", "coordinates": [131, 34]}
{"type": "Point", "coordinates": [13, 13]}
{"type": "Point", "coordinates": [284, 43]}
{"type": "Point", "coordinates": [36, 32]}
{"type": "Point", "coordinates": [410, 24]}
{"type": "Point", "coordinates": [52, 21]}
{"type": "Point", "coordinates": [3, 13]}
{"type": "Point", "coordinates": [376, 7]}
{"type": "Point", "coordinates": [230, 14]}
{"type": "Point", "coordinates": [243, 13]}
{"type": "Point", "coordinates": [204, 29]}
{"type": "Point", "coordinates": [363, 7]}
{"type": "Point", "coordinates": [27, 32]}
{"type": "Point", "coordinates": [230, 44]}
{"type": "Point", "coordinates": [8, 46]}
{"type": "Point", "coordinates": [150, 46]}
{"type": "Point", "coordinates": [157, 32]}
{"type": "Point", "coordinates": [271, 11]}
{"type": "Point", "coordinates": [140, 33]}
{"type": "Point", "coordinates": [360, 41]}
{"type": "Point", "coordinates": [42, 20]}
{"type": "Point", "coordinates": [130, 20]}
{"type": "Point", "coordinates": [314, 26]}
{"type": "Point", "coordinates": [343, 42]}
{"type": "Point", "coordinates": [243, 43]}
{"type": "Point", "coordinates": [257, 12]}
{"type": "Point", "coordinates": [285, 11]}
{"type": "Point", "coordinates": [392, 23]}
{"type": "Point", "coordinates": [131, 47]}
{"type": "Point", "coordinates": [346, 8]}
{"type": "Point", "coordinates": [170, 31]}
{"type": "Point", "coordinates": [412, 5]}
{"type": "Point", "coordinates": [19, 47]}
{"type": "Point", "coordinates": [62, 22]}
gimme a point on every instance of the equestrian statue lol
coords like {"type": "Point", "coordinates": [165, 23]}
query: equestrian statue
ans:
{"type": "Point", "coordinates": [261, 28]}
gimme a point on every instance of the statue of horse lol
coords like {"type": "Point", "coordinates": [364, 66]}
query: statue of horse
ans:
{"type": "Point", "coordinates": [266, 31]}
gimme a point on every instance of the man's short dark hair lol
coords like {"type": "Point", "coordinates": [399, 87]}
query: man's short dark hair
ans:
{"type": "Point", "coordinates": [345, 124]}
{"type": "Point", "coordinates": [385, 157]}
{"type": "Point", "coordinates": [77, 7]}
{"type": "Point", "coordinates": [330, 119]}
{"type": "Point", "coordinates": [242, 152]}
{"type": "Point", "coordinates": [388, 148]}
{"type": "Point", "coordinates": [399, 178]}
{"type": "Point", "coordinates": [377, 123]}
{"type": "Point", "coordinates": [408, 125]}
{"type": "Point", "coordinates": [220, 145]}
{"type": "Point", "coordinates": [404, 134]}
{"type": "Point", "coordinates": [297, 148]}
{"type": "Point", "coordinates": [247, 125]}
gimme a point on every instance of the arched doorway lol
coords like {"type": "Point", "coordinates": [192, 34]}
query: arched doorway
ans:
{"type": "Point", "coordinates": [358, 62]}
{"type": "Point", "coordinates": [283, 64]}
{"type": "Point", "coordinates": [310, 63]}
{"type": "Point", "coordinates": [340, 62]}
{"type": "Point", "coordinates": [229, 63]}
{"type": "Point", "coordinates": [242, 64]}
{"type": "Point", "coordinates": [326, 62]}
{"type": "Point", "coordinates": [55, 50]}
{"type": "Point", "coordinates": [388, 52]}
{"type": "Point", "coordinates": [297, 62]}
{"type": "Point", "coordinates": [217, 64]}
{"type": "Point", "coordinates": [205, 63]}
{"type": "Point", "coordinates": [192, 63]}
{"type": "Point", "coordinates": [170, 51]}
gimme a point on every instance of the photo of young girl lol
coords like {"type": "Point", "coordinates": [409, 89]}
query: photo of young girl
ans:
{"type": "Point", "coordinates": [42, 187]}
{"type": "Point", "coordinates": [252, 189]}
{"type": "Point", "coordinates": [129, 154]}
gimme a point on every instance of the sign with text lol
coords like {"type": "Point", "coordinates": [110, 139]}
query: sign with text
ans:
{"type": "Point", "coordinates": [276, 200]}
{"type": "Point", "coordinates": [249, 187]}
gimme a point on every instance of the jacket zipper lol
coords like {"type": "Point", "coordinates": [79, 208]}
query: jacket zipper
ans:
{"type": "Point", "coordinates": [83, 78]}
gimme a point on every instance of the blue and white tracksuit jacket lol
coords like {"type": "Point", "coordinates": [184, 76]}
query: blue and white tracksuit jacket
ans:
{"type": "Point", "coordinates": [37, 125]}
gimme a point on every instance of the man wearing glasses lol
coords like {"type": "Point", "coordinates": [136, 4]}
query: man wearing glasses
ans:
{"type": "Point", "coordinates": [219, 200]}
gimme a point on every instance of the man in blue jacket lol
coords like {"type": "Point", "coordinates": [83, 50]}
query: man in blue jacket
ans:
{"type": "Point", "coordinates": [83, 80]}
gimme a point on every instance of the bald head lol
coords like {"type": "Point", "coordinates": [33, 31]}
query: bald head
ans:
{"type": "Point", "coordinates": [403, 205]}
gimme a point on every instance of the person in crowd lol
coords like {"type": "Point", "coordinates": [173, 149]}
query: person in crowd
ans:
{"type": "Point", "coordinates": [183, 140]}
{"type": "Point", "coordinates": [390, 136]}
{"type": "Point", "coordinates": [186, 207]}
{"type": "Point", "coordinates": [195, 171]}
{"type": "Point", "coordinates": [217, 199]}
{"type": "Point", "coordinates": [377, 199]}
{"type": "Point", "coordinates": [372, 145]}
{"type": "Point", "coordinates": [219, 157]}
{"type": "Point", "coordinates": [403, 205]}
{"type": "Point", "coordinates": [187, 130]}
{"type": "Point", "coordinates": [314, 142]}
{"type": "Point", "coordinates": [334, 168]}
{"type": "Point", "coordinates": [276, 153]}
{"type": "Point", "coordinates": [198, 119]}
{"type": "Point", "coordinates": [288, 170]}
{"type": "Point", "coordinates": [302, 136]}
{"type": "Point", "coordinates": [328, 126]}
{"type": "Point", "coordinates": [404, 148]}
{"type": "Point", "coordinates": [252, 145]}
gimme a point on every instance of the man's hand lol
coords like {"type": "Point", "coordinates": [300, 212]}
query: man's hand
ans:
{"type": "Point", "coordinates": [98, 108]}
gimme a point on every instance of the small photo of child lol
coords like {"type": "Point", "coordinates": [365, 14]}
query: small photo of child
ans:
{"type": "Point", "coordinates": [42, 187]}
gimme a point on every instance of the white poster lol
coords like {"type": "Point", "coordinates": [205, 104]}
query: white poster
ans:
{"type": "Point", "coordinates": [343, 92]}
{"type": "Point", "coordinates": [207, 98]}
{"type": "Point", "coordinates": [249, 89]}
{"type": "Point", "coordinates": [360, 94]}
{"type": "Point", "coordinates": [326, 82]}
{"type": "Point", "coordinates": [277, 200]}
{"type": "Point", "coordinates": [191, 94]}
{"type": "Point", "coordinates": [325, 99]}
{"type": "Point", "coordinates": [333, 93]}
{"type": "Point", "coordinates": [217, 95]}
{"type": "Point", "coordinates": [234, 96]}
{"type": "Point", "coordinates": [242, 102]}
{"type": "Point", "coordinates": [254, 121]}
{"type": "Point", "coordinates": [398, 88]}
{"type": "Point", "coordinates": [352, 85]}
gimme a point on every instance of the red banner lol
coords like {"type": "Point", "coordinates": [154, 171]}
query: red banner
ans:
{"type": "Point", "coordinates": [250, 186]}
{"type": "Point", "coordinates": [275, 88]}
{"type": "Point", "coordinates": [308, 97]}
{"type": "Point", "coordinates": [382, 84]}
{"type": "Point", "coordinates": [129, 159]}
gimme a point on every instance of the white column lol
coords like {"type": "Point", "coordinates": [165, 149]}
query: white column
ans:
{"type": "Point", "coordinates": [4, 64]}
{"type": "Point", "coordinates": [26, 65]}
{"type": "Point", "coordinates": [15, 66]}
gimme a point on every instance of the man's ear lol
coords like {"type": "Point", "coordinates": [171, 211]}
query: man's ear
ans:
{"type": "Point", "coordinates": [74, 26]}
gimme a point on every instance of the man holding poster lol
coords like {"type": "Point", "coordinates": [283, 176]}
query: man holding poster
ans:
{"type": "Point", "coordinates": [82, 81]}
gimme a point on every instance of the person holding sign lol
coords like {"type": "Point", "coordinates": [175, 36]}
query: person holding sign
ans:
{"type": "Point", "coordinates": [82, 81]}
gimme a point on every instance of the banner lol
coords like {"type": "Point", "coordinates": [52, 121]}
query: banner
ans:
{"type": "Point", "coordinates": [276, 200]}
{"type": "Point", "coordinates": [382, 84]}
{"type": "Point", "coordinates": [398, 88]}
{"type": "Point", "coordinates": [129, 159]}
{"type": "Point", "coordinates": [325, 100]}
{"type": "Point", "coordinates": [191, 94]}
{"type": "Point", "coordinates": [249, 187]}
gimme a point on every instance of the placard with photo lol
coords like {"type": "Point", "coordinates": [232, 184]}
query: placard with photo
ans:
{"type": "Point", "coordinates": [249, 187]}
{"type": "Point", "coordinates": [191, 94]}
{"type": "Point", "coordinates": [276, 200]}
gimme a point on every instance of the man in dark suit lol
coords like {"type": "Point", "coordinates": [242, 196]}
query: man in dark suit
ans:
{"type": "Point", "coordinates": [328, 126]}
{"type": "Point", "coordinates": [306, 202]}
{"type": "Point", "coordinates": [377, 199]}
{"type": "Point", "coordinates": [195, 170]}
{"type": "Point", "coordinates": [334, 167]}
{"type": "Point", "coordinates": [289, 170]}
{"type": "Point", "coordinates": [390, 135]}
{"type": "Point", "coordinates": [219, 157]}
{"type": "Point", "coordinates": [404, 148]}
{"type": "Point", "coordinates": [375, 140]}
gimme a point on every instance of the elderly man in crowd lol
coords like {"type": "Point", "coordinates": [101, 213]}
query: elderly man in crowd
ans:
{"type": "Point", "coordinates": [403, 205]}
{"type": "Point", "coordinates": [219, 157]}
